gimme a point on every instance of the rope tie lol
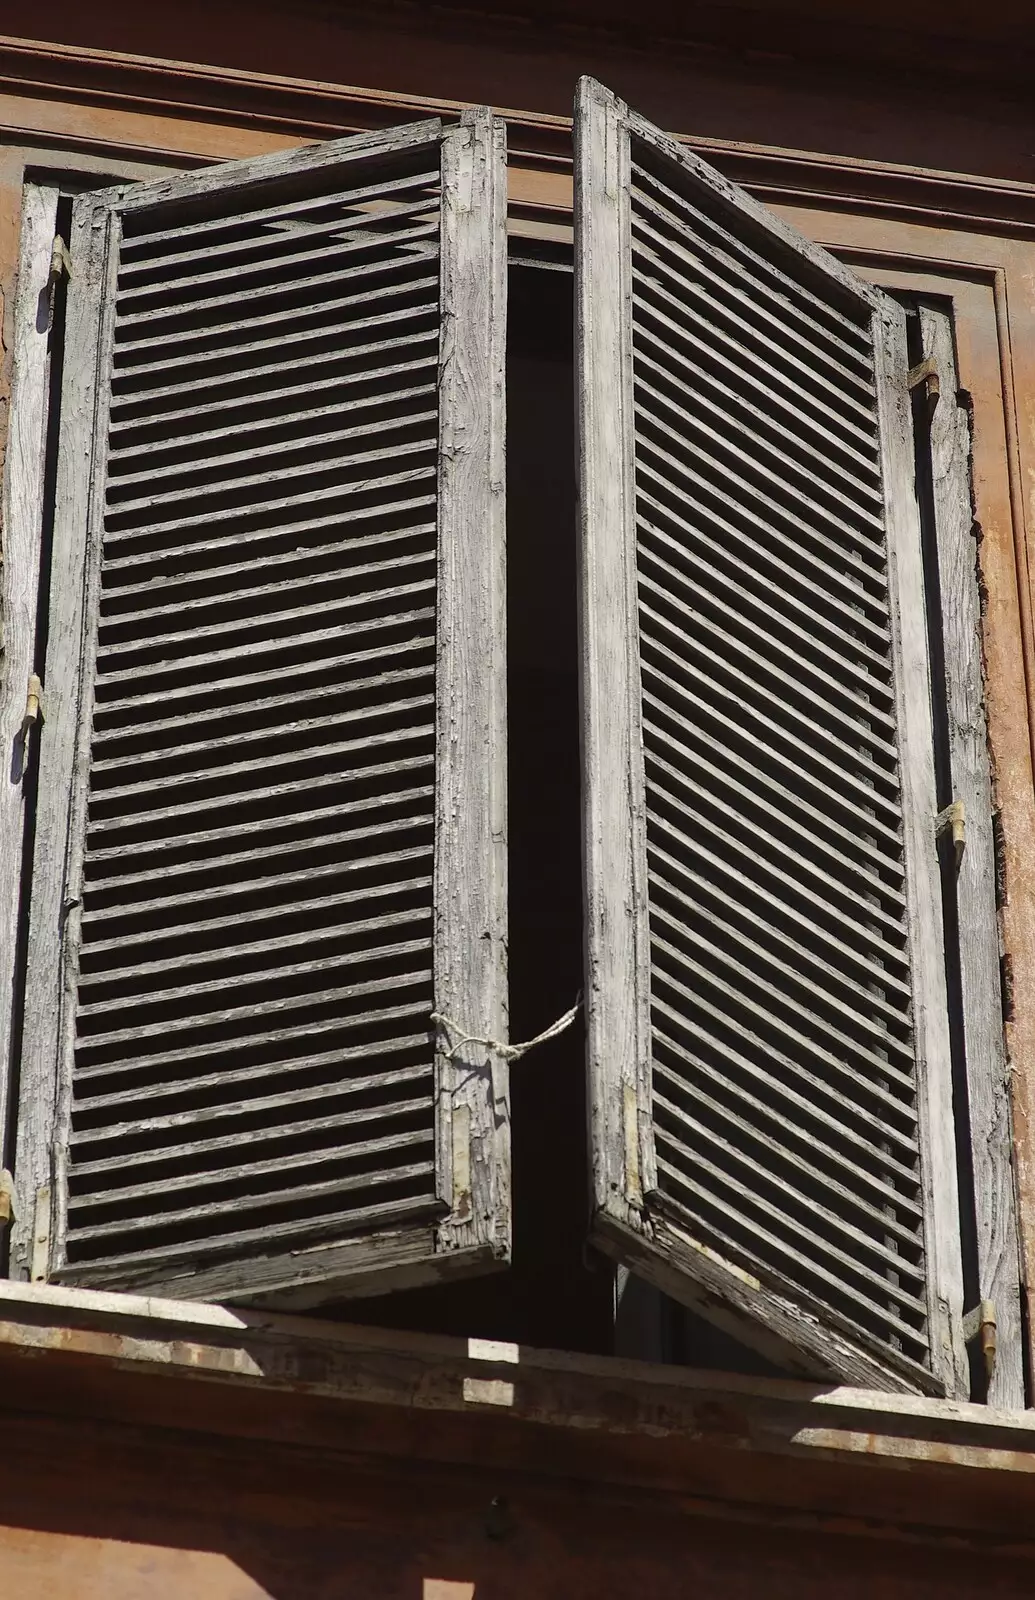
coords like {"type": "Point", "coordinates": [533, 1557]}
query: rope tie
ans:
{"type": "Point", "coordinates": [507, 1052]}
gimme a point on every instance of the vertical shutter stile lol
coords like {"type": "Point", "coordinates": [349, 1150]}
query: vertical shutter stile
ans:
{"type": "Point", "coordinates": [767, 1029]}
{"type": "Point", "coordinates": [246, 685]}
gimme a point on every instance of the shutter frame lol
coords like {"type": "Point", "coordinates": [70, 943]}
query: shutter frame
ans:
{"type": "Point", "coordinates": [632, 1219]}
{"type": "Point", "coordinates": [469, 973]}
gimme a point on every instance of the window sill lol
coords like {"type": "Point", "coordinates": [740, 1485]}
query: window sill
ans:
{"type": "Point", "coordinates": [724, 1444]}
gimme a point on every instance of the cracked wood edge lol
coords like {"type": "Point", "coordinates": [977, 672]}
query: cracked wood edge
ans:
{"type": "Point", "coordinates": [988, 1085]}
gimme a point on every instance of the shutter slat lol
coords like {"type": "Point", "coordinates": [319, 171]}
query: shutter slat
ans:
{"type": "Point", "coordinates": [206, 554]}
{"type": "Point", "coordinates": [842, 735]}
{"type": "Point", "coordinates": [666, 322]}
{"type": "Point", "coordinates": [770, 441]}
{"type": "Point", "coordinates": [287, 592]}
{"type": "Point", "coordinates": [707, 1035]}
{"type": "Point", "coordinates": [417, 321]}
{"type": "Point", "coordinates": [701, 296]}
{"type": "Point", "coordinates": [792, 981]}
{"type": "Point", "coordinates": [764, 878]}
{"type": "Point", "coordinates": [331, 1217]}
{"type": "Point", "coordinates": [731, 895]}
{"type": "Point", "coordinates": [177, 290]}
{"type": "Point", "coordinates": [141, 242]}
{"type": "Point", "coordinates": [820, 314]}
{"type": "Point", "coordinates": [214, 866]}
{"type": "Point", "coordinates": [306, 730]}
{"type": "Point", "coordinates": [184, 308]}
{"type": "Point", "coordinates": [343, 1089]}
{"type": "Point", "coordinates": [748, 378]}
{"type": "Point", "coordinates": [741, 995]}
{"type": "Point", "coordinates": [141, 1151]}
{"type": "Point", "coordinates": [164, 999]}
{"type": "Point", "coordinates": [263, 1043]}
{"type": "Point", "coordinates": [826, 354]}
{"type": "Point", "coordinates": [335, 372]}
{"type": "Point", "coordinates": [270, 418]}
{"type": "Point", "coordinates": [723, 538]}
{"type": "Point", "coordinates": [722, 443]}
{"type": "Point", "coordinates": [284, 409]}
{"type": "Point", "coordinates": [770, 628]}
{"type": "Point", "coordinates": [252, 1011]}
{"type": "Point", "coordinates": [299, 820]}
{"type": "Point", "coordinates": [120, 538]}
{"type": "Point", "coordinates": [239, 487]}
{"type": "Point", "coordinates": [761, 1222]}
{"type": "Point", "coordinates": [124, 975]}
{"type": "Point", "coordinates": [779, 811]}
{"type": "Point", "coordinates": [884, 1270]}
{"type": "Point", "coordinates": [270, 796]}
{"type": "Point", "coordinates": [224, 339]}
{"type": "Point", "coordinates": [690, 1077]}
{"type": "Point", "coordinates": [205, 576]}
{"type": "Point", "coordinates": [738, 498]}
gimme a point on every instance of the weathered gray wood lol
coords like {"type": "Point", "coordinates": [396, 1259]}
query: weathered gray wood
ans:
{"type": "Point", "coordinates": [923, 883]}
{"type": "Point", "coordinates": [392, 1239]}
{"type": "Point", "coordinates": [617, 996]}
{"type": "Point", "coordinates": [259, 171]}
{"type": "Point", "coordinates": [46, 995]}
{"type": "Point", "coordinates": [122, 1038]}
{"type": "Point", "coordinates": [471, 831]}
{"type": "Point", "coordinates": [799, 1339]}
{"type": "Point", "coordinates": [20, 540]}
{"type": "Point", "coordinates": [337, 1089]}
{"type": "Point", "coordinates": [224, 331]}
{"type": "Point", "coordinates": [978, 930]}
{"type": "Point", "coordinates": [141, 1067]}
{"type": "Point", "coordinates": [282, 348]}
{"type": "Point", "coordinates": [763, 739]}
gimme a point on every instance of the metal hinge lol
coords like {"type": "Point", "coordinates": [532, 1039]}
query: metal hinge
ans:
{"type": "Point", "coordinates": [953, 821]}
{"type": "Point", "coordinates": [60, 262]}
{"type": "Point", "coordinates": [39, 1259]}
{"type": "Point", "coordinates": [925, 375]}
{"type": "Point", "coordinates": [980, 1324]}
{"type": "Point", "coordinates": [33, 712]}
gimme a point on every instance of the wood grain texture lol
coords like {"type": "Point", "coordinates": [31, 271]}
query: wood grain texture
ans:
{"type": "Point", "coordinates": [472, 1082]}
{"type": "Point", "coordinates": [46, 996]}
{"type": "Point", "coordinates": [923, 883]}
{"type": "Point", "coordinates": [784, 747]}
{"type": "Point", "coordinates": [134, 1005]}
{"type": "Point", "coordinates": [978, 925]}
{"type": "Point", "coordinates": [19, 583]}
{"type": "Point", "coordinates": [615, 862]}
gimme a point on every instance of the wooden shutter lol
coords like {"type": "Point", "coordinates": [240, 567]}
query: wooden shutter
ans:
{"type": "Point", "coordinates": [271, 833]}
{"type": "Point", "coordinates": [768, 1047]}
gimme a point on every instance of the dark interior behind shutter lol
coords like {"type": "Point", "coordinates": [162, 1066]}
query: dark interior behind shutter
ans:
{"type": "Point", "coordinates": [768, 1049]}
{"type": "Point", "coordinates": [276, 668]}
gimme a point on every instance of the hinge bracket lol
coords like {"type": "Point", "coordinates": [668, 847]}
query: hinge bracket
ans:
{"type": "Point", "coordinates": [33, 712]}
{"type": "Point", "coordinates": [925, 375]}
{"type": "Point", "coordinates": [953, 821]}
{"type": "Point", "coordinates": [39, 1262]}
{"type": "Point", "coordinates": [979, 1324]}
{"type": "Point", "coordinates": [60, 262]}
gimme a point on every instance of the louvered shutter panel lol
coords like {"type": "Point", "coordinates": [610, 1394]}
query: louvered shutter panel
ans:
{"type": "Point", "coordinates": [768, 1049]}
{"type": "Point", "coordinates": [272, 798]}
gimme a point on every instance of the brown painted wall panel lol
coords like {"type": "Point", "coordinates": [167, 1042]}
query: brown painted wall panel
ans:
{"type": "Point", "coordinates": [114, 1518]}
